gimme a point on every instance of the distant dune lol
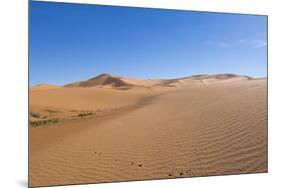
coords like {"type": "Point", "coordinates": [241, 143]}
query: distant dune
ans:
{"type": "Point", "coordinates": [111, 128]}
{"type": "Point", "coordinates": [115, 81]}
{"type": "Point", "coordinates": [44, 87]}
{"type": "Point", "coordinates": [101, 80]}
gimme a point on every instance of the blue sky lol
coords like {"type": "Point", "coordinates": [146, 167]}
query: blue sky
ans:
{"type": "Point", "coordinates": [71, 42]}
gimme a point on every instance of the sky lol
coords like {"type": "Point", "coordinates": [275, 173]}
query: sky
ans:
{"type": "Point", "coordinates": [72, 42]}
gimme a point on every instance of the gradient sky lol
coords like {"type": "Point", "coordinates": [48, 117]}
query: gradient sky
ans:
{"type": "Point", "coordinates": [71, 42]}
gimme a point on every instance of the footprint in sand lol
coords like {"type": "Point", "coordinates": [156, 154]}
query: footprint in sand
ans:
{"type": "Point", "coordinates": [133, 163]}
{"type": "Point", "coordinates": [96, 153]}
{"type": "Point", "coordinates": [179, 172]}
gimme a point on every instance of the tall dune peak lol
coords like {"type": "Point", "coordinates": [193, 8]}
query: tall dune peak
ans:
{"type": "Point", "coordinates": [105, 75]}
{"type": "Point", "coordinates": [102, 80]}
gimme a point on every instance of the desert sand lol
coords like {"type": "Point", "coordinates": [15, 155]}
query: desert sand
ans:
{"type": "Point", "coordinates": [111, 128]}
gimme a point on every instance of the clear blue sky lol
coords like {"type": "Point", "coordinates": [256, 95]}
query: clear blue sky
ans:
{"type": "Point", "coordinates": [71, 42]}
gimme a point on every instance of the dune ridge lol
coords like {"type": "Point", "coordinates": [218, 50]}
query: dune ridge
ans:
{"type": "Point", "coordinates": [115, 81]}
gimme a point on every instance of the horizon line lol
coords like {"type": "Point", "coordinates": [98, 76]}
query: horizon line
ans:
{"type": "Point", "coordinates": [118, 75]}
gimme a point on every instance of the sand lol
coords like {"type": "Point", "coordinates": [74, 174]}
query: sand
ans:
{"type": "Point", "coordinates": [196, 126]}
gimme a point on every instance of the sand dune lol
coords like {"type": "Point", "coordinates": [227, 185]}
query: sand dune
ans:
{"type": "Point", "coordinates": [101, 80]}
{"type": "Point", "coordinates": [85, 98]}
{"type": "Point", "coordinates": [204, 125]}
{"type": "Point", "coordinates": [115, 81]}
{"type": "Point", "coordinates": [44, 87]}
